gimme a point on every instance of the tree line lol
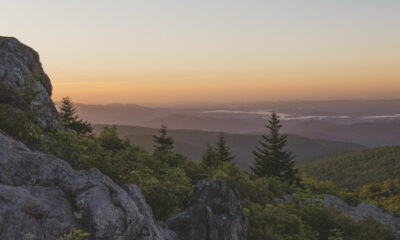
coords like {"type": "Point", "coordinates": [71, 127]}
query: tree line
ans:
{"type": "Point", "coordinates": [271, 158]}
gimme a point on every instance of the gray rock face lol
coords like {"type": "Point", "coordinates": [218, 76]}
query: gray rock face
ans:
{"type": "Point", "coordinates": [362, 211]}
{"type": "Point", "coordinates": [216, 214]}
{"type": "Point", "coordinates": [44, 196]}
{"type": "Point", "coordinates": [19, 68]}
{"type": "Point", "coordinates": [150, 229]}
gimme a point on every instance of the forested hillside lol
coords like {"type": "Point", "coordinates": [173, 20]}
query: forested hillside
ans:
{"type": "Point", "coordinates": [352, 170]}
{"type": "Point", "coordinates": [193, 142]}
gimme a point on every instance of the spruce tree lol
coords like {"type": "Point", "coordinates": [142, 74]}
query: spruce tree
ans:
{"type": "Point", "coordinates": [70, 118]}
{"type": "Point", "coordinates": [210, 157]}
{"type": "Point", "coordinates": [271, 158]}
{"type": "Point", "coordinates": [67, 110]}
{"type": "Point", "coordinates": [164, 143]}
{"type": "Point", "coordinates": [223, 150]}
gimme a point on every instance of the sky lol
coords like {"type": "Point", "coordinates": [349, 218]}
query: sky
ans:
{"type": "Point", "coordinates": [174, 51]}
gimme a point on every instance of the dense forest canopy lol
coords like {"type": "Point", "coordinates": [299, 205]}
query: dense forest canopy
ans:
{"type": "Point", "coordinates": [352, 170]}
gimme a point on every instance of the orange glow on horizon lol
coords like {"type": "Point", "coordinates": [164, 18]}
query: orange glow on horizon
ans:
{"type": "Point", "coordinates": [212, 51]}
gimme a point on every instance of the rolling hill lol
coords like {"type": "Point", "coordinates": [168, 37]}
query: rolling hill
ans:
{"type": "Point", "coordinates": [369, 123]}
{"type": "Point", "coordinates": [192, 143]}
{"type": "Point", "coordinates": [355, 169]}
{"type": "Point", "coordinates": [371, 134]}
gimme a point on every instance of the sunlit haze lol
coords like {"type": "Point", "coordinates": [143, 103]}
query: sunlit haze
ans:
{"type": "Point", "coordinates": [157, 52]}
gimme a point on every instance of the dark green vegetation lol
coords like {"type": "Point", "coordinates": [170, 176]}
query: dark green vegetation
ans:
{"type": "Point", "coordinates": [164, 143]}
{"type": "Point", "coordinates": [372, 175]}
{"type": "Point", "coordinates": [168, 177]}
{"type": "Point", "coordinates": [352, 170]}
{"type": "Point", "coordinates": [192, 143]}
{"type": "Point", "coordinates": [223, 150]}
{"type": "Point", "coordinates": [385, 195]}
{"type": "Point", "coordinates": [319, 158]}
{"type": "Point", "coordinates": [215, 156]}
{"type": "Point", "coordinates": [71, 119]}
{"type": "Point", "coordinates": [270, 158]}
{"type": "Point", "coordinates": [18, 114]}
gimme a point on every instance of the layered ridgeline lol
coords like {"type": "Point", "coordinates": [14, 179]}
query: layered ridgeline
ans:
{"type": "Point", "coordinates": [57, 181]}
{"type": "Point", "coordinates": [352, 170]}
{"type": "Point", "coordinates": [193, 142]}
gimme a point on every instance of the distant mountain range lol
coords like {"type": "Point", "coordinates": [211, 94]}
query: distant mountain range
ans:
{"type": "Point", "coordinates": [192, 143]}
{"type": "Point", "coordinates": [371, 134]}
{"type": "Point", "coordinates": [373, 123]}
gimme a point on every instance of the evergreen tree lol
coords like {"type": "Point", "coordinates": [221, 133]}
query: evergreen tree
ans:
{"type": "Point", "coordinates": [223, 150]}
{"type": "Point", "coordinates": [110, 139]}
{"type": "Point", "coordinates": [70, 118]}
{"type": "Point", "coordinates": [164, 143]}
{"type": "Point", "coordinates": [270, 158]}
{"type": "Point", "coordinates": [210, 157]}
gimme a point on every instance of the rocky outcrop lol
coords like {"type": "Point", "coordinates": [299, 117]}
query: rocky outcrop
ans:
{"type": "Point", "coordinates": [216, 214]}
{"type": "Point", "coordinates": [20, 68]}
{"type": "Point", "coordinates": [362, 211]}
{"type": "Point", "coordinates": [42, 195]}
{"type": "Point", "coordinates": [150, 228]}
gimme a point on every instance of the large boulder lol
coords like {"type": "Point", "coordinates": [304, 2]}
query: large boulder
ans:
{"type": "Point", "coordinates": [362, 211]}
{"type": "Point", "coordinates": [20, 68]}
{"type": "Point", "coordinates": [216, 214]}
{"type": "Point", "coordinates": [42, 195]}
{"type": "Point", "coordinates": [150, 227]}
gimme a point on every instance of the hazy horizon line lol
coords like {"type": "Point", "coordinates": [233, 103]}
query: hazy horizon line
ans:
{"type": "Point", "coordinates": [197, 103]}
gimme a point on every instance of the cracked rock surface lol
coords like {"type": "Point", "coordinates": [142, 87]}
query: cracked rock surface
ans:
{"type": "Point", "coordinates": [216, 213]}
{"type": "Point", "coordinates": [20, 68]}
{"type": "Point", "coordinates": [44, 196]}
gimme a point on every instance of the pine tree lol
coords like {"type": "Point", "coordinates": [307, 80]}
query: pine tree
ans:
{"type": "Point", "coordinates": [71, 119]}
{"type": "Point", "coordinates": [223, 150]}
{"type": "Point", "coordinates": [271, 158]}
{"type": "Point", "coordinates": [164, 143]}
{"type": "Point", "coordinates": [67, 110]}
{"type": "Point", "coordinates": [210, 157]}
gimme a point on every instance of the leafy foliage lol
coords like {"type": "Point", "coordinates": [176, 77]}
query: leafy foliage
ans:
{"type": "Point", "coordinates": [17, 110]}
{"type": "Point", "coordinates": [298, 217]}
{"type": "Point", "coordinates": [75, 235]}
{"type": "Point", "coordinates": [72, 235]}
{"type": "Point", "coordinates": [354, 170]}
{"type": "Point", "coordinates": [385, 195]}
{"type": "Point", "coordinates": [210, 157]}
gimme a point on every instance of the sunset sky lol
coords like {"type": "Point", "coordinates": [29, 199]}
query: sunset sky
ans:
{"type": "Point", "coordinates": [156, 52]}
